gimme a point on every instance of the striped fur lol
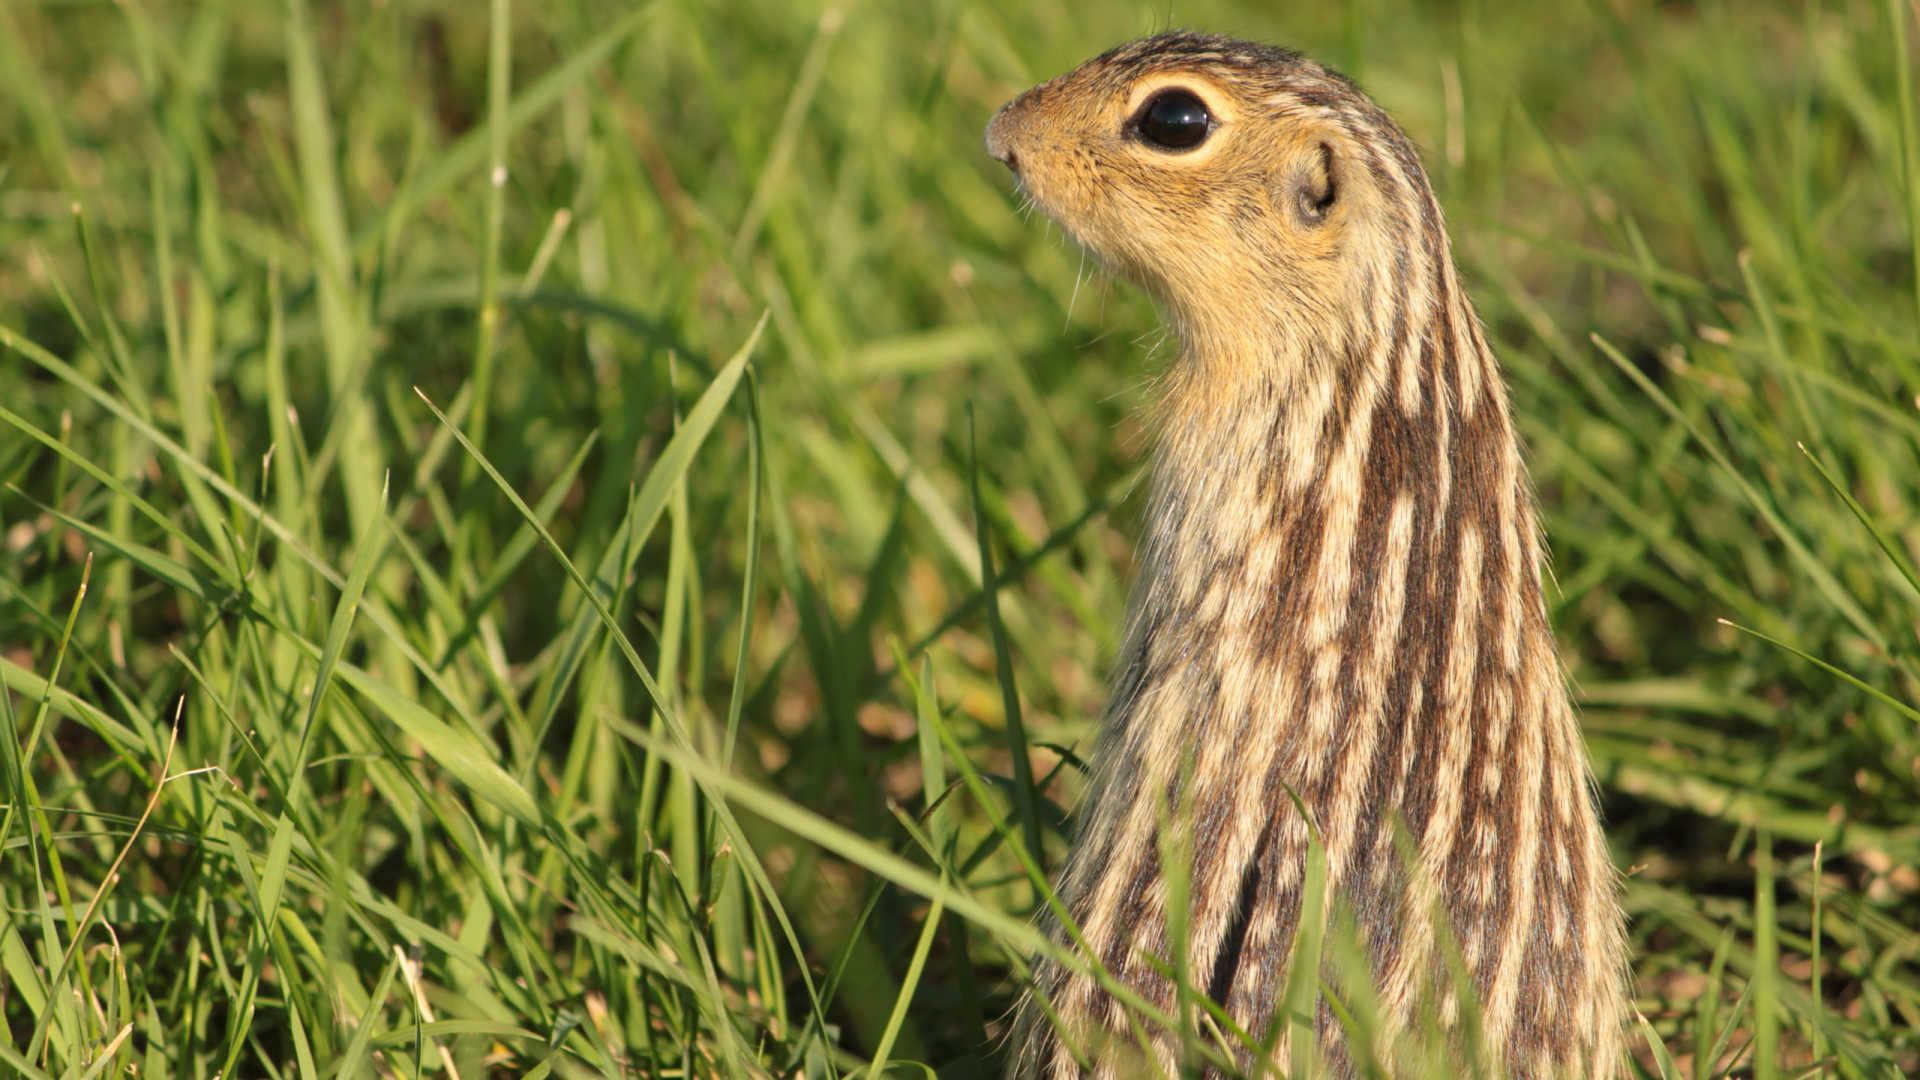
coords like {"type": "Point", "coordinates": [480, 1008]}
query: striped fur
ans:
{"type": "Point", "coordinates": [1340, 586]}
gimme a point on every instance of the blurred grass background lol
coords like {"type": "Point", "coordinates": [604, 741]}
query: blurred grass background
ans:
{"type": "Point", "coordinates": [729, 294]}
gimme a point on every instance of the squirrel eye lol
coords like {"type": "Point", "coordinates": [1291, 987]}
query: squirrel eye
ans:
{"type": "Point", "coordinates": [1176, 121]}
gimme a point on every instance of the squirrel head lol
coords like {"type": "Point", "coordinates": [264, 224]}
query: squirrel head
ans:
{"type": "Point", "coordinates": [1249, 189]}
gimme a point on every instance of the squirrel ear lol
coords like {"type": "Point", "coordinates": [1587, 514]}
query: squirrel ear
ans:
{"type": "Point", "coordinates": [1314, 188]}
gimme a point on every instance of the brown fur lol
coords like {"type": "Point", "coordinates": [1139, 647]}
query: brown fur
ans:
{"type": "Point", "coordinates": [1340, 585]}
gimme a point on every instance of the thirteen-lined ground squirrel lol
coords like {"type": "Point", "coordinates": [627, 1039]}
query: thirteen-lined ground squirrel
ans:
{"type": "Point", "coordinates": [1339, 593]}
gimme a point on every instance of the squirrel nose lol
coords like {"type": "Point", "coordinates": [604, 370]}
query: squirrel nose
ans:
{"type": "Point", "coordinates": [999, 147]}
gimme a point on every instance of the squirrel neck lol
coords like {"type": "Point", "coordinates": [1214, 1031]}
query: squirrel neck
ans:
{"type": "Point", "coordinates": [1344, 491]}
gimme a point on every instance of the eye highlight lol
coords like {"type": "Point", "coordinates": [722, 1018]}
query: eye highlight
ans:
{"type": "Point", "coordinates": [1175, 120]}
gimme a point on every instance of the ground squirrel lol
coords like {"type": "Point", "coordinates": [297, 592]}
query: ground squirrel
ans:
{"type": "Point", "coordinates": [1339, 594]}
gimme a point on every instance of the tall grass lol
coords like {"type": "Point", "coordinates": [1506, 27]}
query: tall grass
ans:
{"type": "Point", "coordinates": [584, 539]}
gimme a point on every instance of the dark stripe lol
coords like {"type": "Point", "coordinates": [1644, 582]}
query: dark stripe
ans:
{"type": "Point", "coordinates": [1227, 961]}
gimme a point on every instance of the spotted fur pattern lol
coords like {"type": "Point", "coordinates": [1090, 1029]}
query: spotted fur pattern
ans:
{"type": "Point", "coordinates": [1339, 594]}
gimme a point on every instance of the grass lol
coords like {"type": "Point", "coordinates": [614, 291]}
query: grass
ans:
{"type": "Point", "coordinates": [627, 700]}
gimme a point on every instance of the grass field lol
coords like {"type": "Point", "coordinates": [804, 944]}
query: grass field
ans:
{"type": "Point", "coordinates": [559, 491]}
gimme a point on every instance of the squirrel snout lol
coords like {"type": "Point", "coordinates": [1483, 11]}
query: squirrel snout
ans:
{"type": "Point", "coordinates": [1000, 142]}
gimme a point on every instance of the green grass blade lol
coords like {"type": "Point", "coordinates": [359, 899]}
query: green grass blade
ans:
{"type": "Point", "coordinates": [1816, 1022]}
{"type": "Point", "coordinates": [750, 576]}
{"type": "Point", "coordinates": [1907, 710]}
{"type": "Point", "coordinates": [303, 1049]}
{"type": "Point", "coordinates": [470, 763]}
{"type": "Point", "coordinates": [908, 985]}
{"type": "Point", "coordinates": [787, 135]}
{"type": "Point", "coordinates": [1303, 976]}
{"type": "Point", "coordinates": [1003, 660]}
{"type": "Point", "coordinates": [363, 1032]}
{"type": "Point", "coordinates": [1766, 964]}
{"type": "Point", "coordinates": [499, 92]}
{"type": "Point", "coordinates": [517, 548]}
{"type": "Point", "coordinates": [1661, 1057]}
{"type": "Point", "coordinates": [106, 1054]}
{"type": "Point", "coordinates": [1860, 513]}
{"type": "Point", "coordinates": [337, 630]}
